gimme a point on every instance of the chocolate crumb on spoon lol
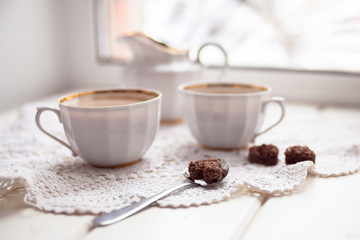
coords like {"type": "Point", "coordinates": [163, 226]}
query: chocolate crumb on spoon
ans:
{"type": "Point", "coordinates": [209, 170]}
{"type": "Point", "coordinates": [208, 174]}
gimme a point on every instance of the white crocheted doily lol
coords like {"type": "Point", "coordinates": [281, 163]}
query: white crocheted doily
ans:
{"type": "Point", "coordinates": [55, 181]}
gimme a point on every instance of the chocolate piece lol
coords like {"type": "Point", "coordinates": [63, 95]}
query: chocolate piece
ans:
{"type": "Point", "coordinates": [296, 154]}
{"type": "Point", "coordinates": [265, 154]}
{"type": "Point", "coordinates": [208, 169]}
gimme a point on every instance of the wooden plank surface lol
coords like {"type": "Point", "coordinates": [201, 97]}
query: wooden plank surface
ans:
{"type": "Point", "coordinates": [324, 208]}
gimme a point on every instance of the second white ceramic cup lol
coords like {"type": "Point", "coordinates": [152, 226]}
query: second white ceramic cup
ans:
{"type": "Point", "coordinates": [226, 120]}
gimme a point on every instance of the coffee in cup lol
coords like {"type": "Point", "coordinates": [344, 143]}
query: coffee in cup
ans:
{"type": "Point", "coordinates": [226, 115]}
{"type": "Point", "coordinates": [106, 99]}
{"type": "Point", "coordinates": [108, 128]}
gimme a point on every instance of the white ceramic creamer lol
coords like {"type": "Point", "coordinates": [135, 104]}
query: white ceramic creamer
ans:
{"type": "Point", "coordinates": [158, 66]}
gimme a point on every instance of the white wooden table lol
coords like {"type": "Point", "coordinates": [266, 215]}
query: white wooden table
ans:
{"type": "Point", "coordinates": [322, 208]}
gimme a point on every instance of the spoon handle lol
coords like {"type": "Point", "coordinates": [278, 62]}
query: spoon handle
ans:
{"type": "Point", "coordinates": [125, 212]}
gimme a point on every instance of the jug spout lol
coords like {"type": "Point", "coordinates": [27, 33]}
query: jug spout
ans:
{"type": "Point", "coordinates": [146, 48]}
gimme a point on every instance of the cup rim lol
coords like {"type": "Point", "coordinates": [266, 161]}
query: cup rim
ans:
{"type": "Point", "coordinates": [157, 95]}
{"type": "Point", "coordinates": [184, 88]}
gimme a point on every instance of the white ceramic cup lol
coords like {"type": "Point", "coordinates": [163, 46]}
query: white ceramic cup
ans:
{"type": "Point", "coordinates": [108, 136]}
{"type": "Point", "coordinates": [226, 119]}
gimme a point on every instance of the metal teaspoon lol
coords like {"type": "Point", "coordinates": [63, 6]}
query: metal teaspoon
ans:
{"type": "Point", "coordinates": [125, 212]}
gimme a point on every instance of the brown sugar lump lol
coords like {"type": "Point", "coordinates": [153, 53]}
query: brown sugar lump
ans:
{"type": "Point", "coordinates": [208, 169]}
{"type": "Point", "coordinates": [296, 154]}
{"type": "Point", "coordinates": [265, 154]}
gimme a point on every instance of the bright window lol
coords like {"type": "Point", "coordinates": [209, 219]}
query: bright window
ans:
{"type": "Point", "coordinates": [296, 34]}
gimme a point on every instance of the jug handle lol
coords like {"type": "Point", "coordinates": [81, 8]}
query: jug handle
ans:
{"type": "Point", "coordinates": [225, 66]}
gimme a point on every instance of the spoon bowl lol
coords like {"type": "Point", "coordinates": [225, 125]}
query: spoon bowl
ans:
{"type": "Point", "coordinates": [225, 166]}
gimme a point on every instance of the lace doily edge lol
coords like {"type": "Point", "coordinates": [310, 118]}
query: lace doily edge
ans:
{"type": "Point", "coordinates": [308, 165]}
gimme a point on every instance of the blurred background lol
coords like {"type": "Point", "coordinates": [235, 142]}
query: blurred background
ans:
{"type": "Point", "coordinates": [297, 34]}
{"type": "Point", "coordinates": [308, 50]}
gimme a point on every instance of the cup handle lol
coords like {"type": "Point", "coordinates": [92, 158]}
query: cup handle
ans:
{"type": "Point", "coordinates": [40, 110]}
{"type": "Point", "coordinates": [225, 66]}
{"type": "Point", "coordinates": [278, 100]}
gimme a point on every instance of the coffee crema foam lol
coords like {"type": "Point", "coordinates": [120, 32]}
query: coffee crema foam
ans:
{"type": "Point", "coordinates": [106, 99]}
{"type": "Point", "coordinates": [225, 88]}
